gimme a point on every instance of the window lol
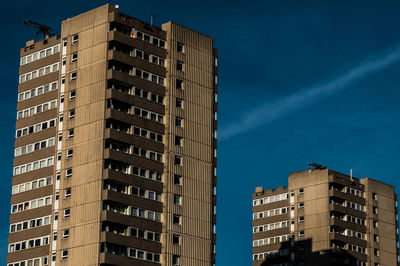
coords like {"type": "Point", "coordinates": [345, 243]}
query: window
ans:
{"type": "Point", "coordinates": [176, 239]}
{"type": "Point", "coordinates": [301, 233]}
{"type": "Point", "coordinates": [301, 219]}
{"type": "Point", "coordinates": [375, 210]}
{"type": "Point", "coordinates": [36, 109]}
{"type": "Point", "coordinates": [179, 65]}
{"type": "Point", "coordinates": [65, 234]}
{"type": "Point", "coordinates": [178, 121]}
{"type": "Point", "coordinates": [64, 254]}
{"type": "Point", "coordinates": [376, 238]}
{"type": "Point", "coordinates": [178, 160]}
{"type": "Point", "coordinates": [175, 260]}
{"type": "Point", "coordinates": [179, 84]}
{"type": "Point", "coordinates": [374, 196]}
{"type": "Point", "coordinates": [68, 172]}
{"type": "Point", "coordinates": [67, 192]}
{"type": "Point", "coordinates": [179, 103]}
{"type": "Point", "coordinates": [67, 213]}
{"type": "Point", "coordinates": [178, 141]}
{"type": "Point", "coordinates": [70, 153]}
{"type": "Point", "coordinates": [177, 180]}
{"type": "Point", "coordinates": [176, 219]}
{"type": "Point", "coordinates": [301, 205]}
{"type": "Point", "coordinates": [70, 133]}
{"type": "Point", "coordinates": [301, 191]}
{"type": "Point", "coordinates": [75, 38]}
{"type": "Point", "coordinates": [71, 114]}
{"type": "Point", "coordinates": [72, 94]}
{"type": "Point", "coordinates": [177, 199]}
{"type": "Point", "coordinates": [375, 224]}
{"type": "Point", "coordinates": [74, 57]}
{"type": "Point", "coordinates": [179, 47]}
{"type": "Point", "coordinates": [73, 75]}
{"type": "Point", "coordinates": [376, 252]}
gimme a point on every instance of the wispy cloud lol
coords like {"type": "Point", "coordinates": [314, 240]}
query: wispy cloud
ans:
{"type": "Point", "coordinates": [270, 112]}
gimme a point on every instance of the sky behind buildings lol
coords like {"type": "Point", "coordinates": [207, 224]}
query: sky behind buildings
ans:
{"type": "Point", "coordinates": [299, 82]}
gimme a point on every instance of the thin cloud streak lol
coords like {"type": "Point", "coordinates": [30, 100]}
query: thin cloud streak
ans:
{"type": "Point", "coordinates": [270, 112]}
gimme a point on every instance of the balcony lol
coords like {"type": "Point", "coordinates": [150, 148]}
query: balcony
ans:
{"type": "Point", "coordinates": [125, 78]}
{"type": "Point", "coordinates": [135, 101]}
{"type": "Point", "coordinates": [347, 239]}
{"type": "Point", "coordinates": [132, 200]}
{"type": "Point", "coordinates": [133, 139]}
{"type": "Point", "coordinates": [134, 120]}
{"type": "Point", "coordinates": [346, 196]}
{"type": "Point", "coordinates": [131, 221]}
{"type": "Point", "coordinates": [132, 242]}
{"type": "Point", "coordinates": [133, 159]}
{"type": "Point", "coordinates": [136, 62]}
{"type": "Point", "coordinates": [346, 224]}
{"type": "Point", "coordinates": [134, 180]}
{"type": "Point", "coordinates": [338, 208]}
{"type": "Point", "coordinates": [133, 42]}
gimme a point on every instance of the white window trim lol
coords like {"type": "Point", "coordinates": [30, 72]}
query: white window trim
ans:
{"type": "Point", "coordinates": [33, 109]}
{"type": "Point", "coordinates": [49, 143]}
{"type": "Point", "coordinates": [48, 162]}
{"type": "Point", "coordinates": [15, 188]}
{"type": "Point", "coordinates": [35, 128]}
{"type": "Point", "coordinates": [53, 49]}
{"type": "Point", "coordinates": [53, 68]}
{"type": "Point", "coordinates": [21, 96]}
{"type": "Point", "coordinates": [43, 223]}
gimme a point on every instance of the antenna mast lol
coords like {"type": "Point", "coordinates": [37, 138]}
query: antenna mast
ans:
{"type": "Point", "coordinates": [43, 29]}
{"type": "Point", "coordinates": [152, 19]}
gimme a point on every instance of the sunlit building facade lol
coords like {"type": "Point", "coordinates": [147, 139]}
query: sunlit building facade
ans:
{"type": "Point", "coordinates": [115, 148]}
{"type": "Point", "coordinates": [324, 217]}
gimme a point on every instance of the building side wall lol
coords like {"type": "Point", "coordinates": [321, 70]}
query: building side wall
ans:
{"type": "Point", "coordinates": [314, 182]}
{"type": "Point", "coordinates": [197, 148]}
{"type": "Point", "coordinates": [382, 210]}
{"type": "Point", "coordinates": [26, 126]}
{"type": "Point", "coordinates": [88, 141]}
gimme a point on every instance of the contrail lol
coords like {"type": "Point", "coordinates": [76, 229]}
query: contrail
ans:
{"type": "Point", "coordinates": [269, 112]}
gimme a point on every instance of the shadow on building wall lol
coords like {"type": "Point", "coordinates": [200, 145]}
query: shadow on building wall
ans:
{"type": "Point", "coordinates": [300, 253]}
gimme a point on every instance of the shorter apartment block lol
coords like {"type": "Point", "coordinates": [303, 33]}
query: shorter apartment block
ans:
{"type": "Point", "coordinates": [323, 217]}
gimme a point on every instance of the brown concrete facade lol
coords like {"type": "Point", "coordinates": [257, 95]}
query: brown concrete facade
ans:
{"type": "Point", "coordinates": [32, 191]}
{"type": "Point", "coordinates": [104, 173]}
{"type": "Point", "coordinates": [333, 219]}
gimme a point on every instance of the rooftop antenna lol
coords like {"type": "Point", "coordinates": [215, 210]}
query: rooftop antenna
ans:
{"type": "Point", "coordinates": [43, 29]}
{"type": "Point", "coordinates": [317, 166]}
{"type": "Point", "coordinates": [151, 19]}
{"type": "Point", "coordinates": [351, 173]}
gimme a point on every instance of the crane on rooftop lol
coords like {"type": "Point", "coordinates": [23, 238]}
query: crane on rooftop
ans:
{"type": "Point", "coordinates": [43, 29]}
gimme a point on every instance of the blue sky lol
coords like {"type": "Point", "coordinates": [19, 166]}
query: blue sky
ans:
{"type": "Point", "coordinates": [302, 80]}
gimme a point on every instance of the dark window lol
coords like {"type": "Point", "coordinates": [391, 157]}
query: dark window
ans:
{"type": "Point", "coordinates": [176, 219]}
{"type": "Point", "coordinates": [175, 260]}
{"type": "Point", "coordinates": [179, 84]}
{"type": "Point", "coordinates": [178, 141]}
{"type": "Point", "coordinates": [177, 180]}
{"type": "Point", "coordinates": [178, 121]}
{"type": "Point", "coordinates": [179, 65]}
{"type": "Point", "coordinates": [72, 94]}
{"type": "Point", "coordinates": [178, 160]}
{"type": "Point", "coordinates": [179, 47]}
{"type": "Point", "coordinates": [179, 103]}
{"type": "Point", "coordinates": [175, 239]}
